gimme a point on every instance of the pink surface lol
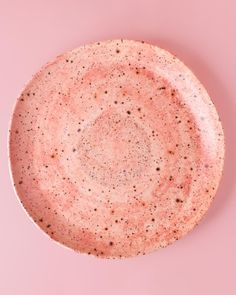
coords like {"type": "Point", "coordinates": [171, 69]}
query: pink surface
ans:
{"type": "Point", "coordinates": [93, 154]}
{"type": "Point", "coordinates": [202, 34]}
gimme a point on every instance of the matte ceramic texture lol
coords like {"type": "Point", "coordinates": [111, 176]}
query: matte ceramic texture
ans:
{"type": "Point", "coordinates": [116, 149]}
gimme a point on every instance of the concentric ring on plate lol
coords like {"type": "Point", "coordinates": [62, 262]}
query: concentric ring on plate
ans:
{"type": "Point", "coordinates": [116, 149]}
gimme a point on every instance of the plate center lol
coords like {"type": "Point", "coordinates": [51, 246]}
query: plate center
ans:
{"type": "Point", "coordinates": [114, 150]}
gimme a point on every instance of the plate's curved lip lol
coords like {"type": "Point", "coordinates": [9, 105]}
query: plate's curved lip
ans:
{"type": "Point", "coordinates": [44, 66]}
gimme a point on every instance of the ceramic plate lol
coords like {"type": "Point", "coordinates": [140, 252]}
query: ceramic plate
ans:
{"type": "Point", "coordinates": [116, 149]}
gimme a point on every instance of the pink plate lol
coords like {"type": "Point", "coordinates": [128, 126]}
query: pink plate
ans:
{"type": "Point", "coordinates": [116, 149]}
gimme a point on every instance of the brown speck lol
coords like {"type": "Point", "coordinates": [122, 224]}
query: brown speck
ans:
{"type": "Point", "coordinates": [128, 112]}
{"type": "Point", "coordinates": [117, 51]}
{"type": "Point", "coordinates": [20, 182]}
{"type": "Point", "coordinates": [49, 225]}
{"type": "Point", "coordinates": [111, 243]}
{"type": "Point", "coordinates": [171, 152]}
{"type": "Point", "coordinates": [178, 200]}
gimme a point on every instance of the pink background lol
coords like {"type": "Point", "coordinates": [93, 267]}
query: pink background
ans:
{"type": "Point", "coordinates": [201, 33]}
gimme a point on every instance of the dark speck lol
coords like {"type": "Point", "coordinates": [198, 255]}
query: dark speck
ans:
{"type": "Point", "coordinates": [178, 200]}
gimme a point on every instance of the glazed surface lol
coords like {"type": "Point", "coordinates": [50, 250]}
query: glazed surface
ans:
{"type": "Point", "coordinates": [116, 149]}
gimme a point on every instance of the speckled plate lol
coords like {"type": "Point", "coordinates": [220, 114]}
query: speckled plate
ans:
{"type": "Point", "coordinates": [116, 149]}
